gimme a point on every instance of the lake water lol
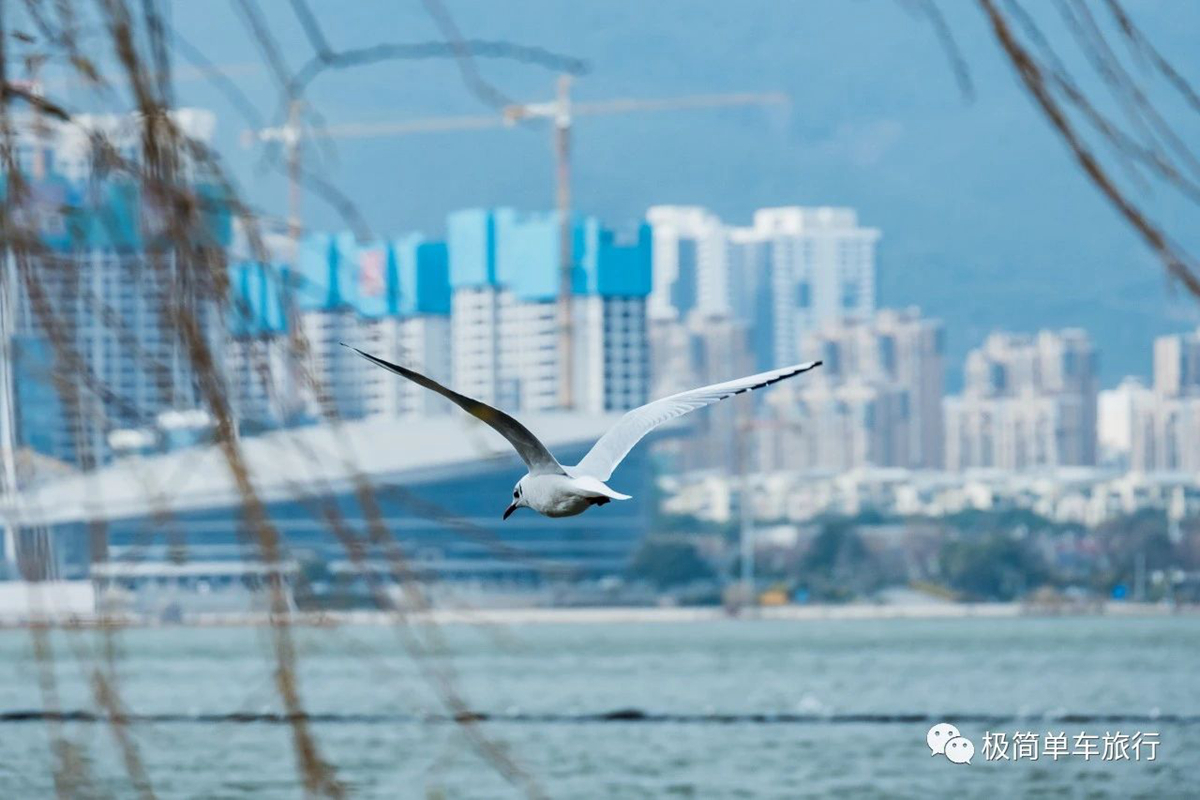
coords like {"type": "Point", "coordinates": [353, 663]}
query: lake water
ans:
{"type": "Point", "coordinates": [734, 709]}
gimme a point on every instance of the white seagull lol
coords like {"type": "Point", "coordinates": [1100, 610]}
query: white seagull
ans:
{"type": "Point", "coordinates": [559, 491]}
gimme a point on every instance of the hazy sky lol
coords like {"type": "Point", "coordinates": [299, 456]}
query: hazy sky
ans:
{"type": "Point", "coordinates": [986, 221]}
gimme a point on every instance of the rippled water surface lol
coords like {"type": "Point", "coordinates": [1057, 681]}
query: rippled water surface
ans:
{"type": "Point", "coordinates": [853, 698]}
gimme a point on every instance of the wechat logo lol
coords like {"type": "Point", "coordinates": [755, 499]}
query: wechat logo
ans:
{"type": "Point", "coordinates": [945, 740]}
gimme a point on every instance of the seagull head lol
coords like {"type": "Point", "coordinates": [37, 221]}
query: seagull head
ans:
{"type": "Point", "coordinates": [518, 499]}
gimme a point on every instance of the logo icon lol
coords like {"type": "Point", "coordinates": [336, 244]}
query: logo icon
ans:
{"type": "Point", "coordinates": [945, 740]}
{"type": "Point", "coordinates": [938, 736]}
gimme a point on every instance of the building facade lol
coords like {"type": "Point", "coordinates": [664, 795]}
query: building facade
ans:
{"type": "Point", "coordinates": [95, 307]}
{"type": "Point", "coordinates": [732, 300]}
{"type": "Point", "coordinates": [822, 272]}
{"type": "Point", "coordinates": [691, 267]}
{"type": "Point", "coordinates": [1028, 401]}
{"type": "Point", "coordinates": [261, 371]}
{"type": "Point", "coordinates": [478, 312]}
{"type": "Point", "coordinates": [505, 277]}
{"type": "Point", "coordinates": [790, 272]}
{"type": "Point", "coordinates": [390, 298]}
{"type": "Point", "coordinates": [46, 146]}
{"type": "Point", "coordinates": [1117, 412]}
{"type": "Point", "coordinates": [93, 303]}
{"type": "Point", "coordinates": [1165, 431]}
{"type": "Point", "coordinates": [1177, 364]}
{"type": "Point", "coordinates": [875, 401]}
{"type": "Point", "coordinates": [698, 351]}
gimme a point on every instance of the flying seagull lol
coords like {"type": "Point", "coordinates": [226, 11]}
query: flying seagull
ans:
{"type": "Point", "coordinates": [560, 491]}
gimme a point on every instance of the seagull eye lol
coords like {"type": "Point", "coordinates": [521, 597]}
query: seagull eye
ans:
{"type": "Point", "coordinates": [516, 493]}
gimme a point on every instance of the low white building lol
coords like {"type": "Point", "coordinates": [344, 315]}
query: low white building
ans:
{"type": "Point", "coordinates": [1086, 496]}
{"type": "Point", "coordinates": [22, 602]}
{"type": "Point", "coordinates": [170, 592]}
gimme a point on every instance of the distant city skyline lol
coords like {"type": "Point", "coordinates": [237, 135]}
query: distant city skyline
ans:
{"type": "Point", "coordinates": [473, 304]}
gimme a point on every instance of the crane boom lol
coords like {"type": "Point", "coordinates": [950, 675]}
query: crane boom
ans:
{"type": "Point", "coordinates": [370, 130]}
{"type": "Point", "coordinates": [631, 104]}
{"type": "Point", "coordinates": [512, 114]}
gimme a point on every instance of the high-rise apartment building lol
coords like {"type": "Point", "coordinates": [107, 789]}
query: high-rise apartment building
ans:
{"type": "Point", "coordinates": [790, 272]}
{"type": "Point", "coordinates": [767, 290]}
{"type": "Point", "coordinates": [691, 268]}
{"type": "Point", "coordinates": [260, 365]}
{"type": "Point", "coordinates": [389, 298]}
{"type": "Point", "coordinates": [96, 348]}
{"type": "Point", "coordinates": [1166, 436]}
{"type": "Point", "coordinates": [1166, 425]}
{"type": "Point", "coordinates": [1177, 364]}
{"type": "Point", "coordinates": [834, 426]}
{"type": "Point", "coordinates": [1028, 401]}
{"type": "Point", "coordinates": [878, 393]}
{"type": "Point", "coordinates": [1118, 410]}
{"type": "Point", "coordinates": [97, 299]}
{"type": "Point", "coordinates": [478, 313]}
{"type": "Point", "coordinates": [45, 146]}
{"type": "Point", "coordinates": [698, 351]}
{"type": "Point", "coordinates": [504, 276]}
{"type": "Point", "coordinates": [822, 271]}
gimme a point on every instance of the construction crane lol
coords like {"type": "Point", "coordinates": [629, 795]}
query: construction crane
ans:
{"type": "Point", "coordinates": [561, 112]}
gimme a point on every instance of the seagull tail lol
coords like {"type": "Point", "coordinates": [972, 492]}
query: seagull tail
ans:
{"type": "Point", "coordinates": [597, 486]}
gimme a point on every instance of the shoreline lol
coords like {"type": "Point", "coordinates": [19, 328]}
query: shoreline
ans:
{"type": "Point", "coordinates": [632, 615]}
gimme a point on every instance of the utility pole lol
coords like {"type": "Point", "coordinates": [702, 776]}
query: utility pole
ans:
{"type": "Point", "coordinates": [559, 112]}
{"type": "Point", "coordinates": [9, 282]}
{"type": "Point", "coordinates": [8, 467]}
{"type": "Point", "coordinates": [291, 141]}
{"type": "Point", "coordinates": [746, 514]}
{"type": "Point", "coordinates": [289, 135]}
{"type": "Point", "coordinates": [745, 429]}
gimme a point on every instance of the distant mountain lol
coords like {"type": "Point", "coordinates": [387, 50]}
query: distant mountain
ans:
{"type": "Point", "coordinates": [987, 223]}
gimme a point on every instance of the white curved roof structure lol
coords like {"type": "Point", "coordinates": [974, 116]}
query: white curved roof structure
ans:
{"type": "Point", "coordinates": [283, 464]}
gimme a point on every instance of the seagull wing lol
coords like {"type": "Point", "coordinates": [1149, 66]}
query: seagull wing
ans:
{"type": "Point", "coordinates": [613, 446]}
{"type": "Point", "coordinates": [532, 451]}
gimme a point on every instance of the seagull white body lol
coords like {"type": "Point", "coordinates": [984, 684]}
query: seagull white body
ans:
{"type": "Point", "coordinates": [562, 495]}
{"type": "Point", "coordinates": [555, 490]}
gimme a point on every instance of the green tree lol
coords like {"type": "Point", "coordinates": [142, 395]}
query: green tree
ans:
{"type": "Point", "coordinates": [669, 563]}
{"type": "Point", "coordinates": [838, 564]}
{"type": "Point", "coordinates": [1140, 536]}
{"type": "Point", "coordinates": [993, 566]}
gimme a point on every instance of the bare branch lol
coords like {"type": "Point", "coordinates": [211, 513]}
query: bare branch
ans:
{"type": "Point", "coordinates": [1178, 264]}
{"type": "Point", "coordinates": [958, 63]}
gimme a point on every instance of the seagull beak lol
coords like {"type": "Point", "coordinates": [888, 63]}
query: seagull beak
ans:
{"type": "Point", "coordinates": [508, 511]}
